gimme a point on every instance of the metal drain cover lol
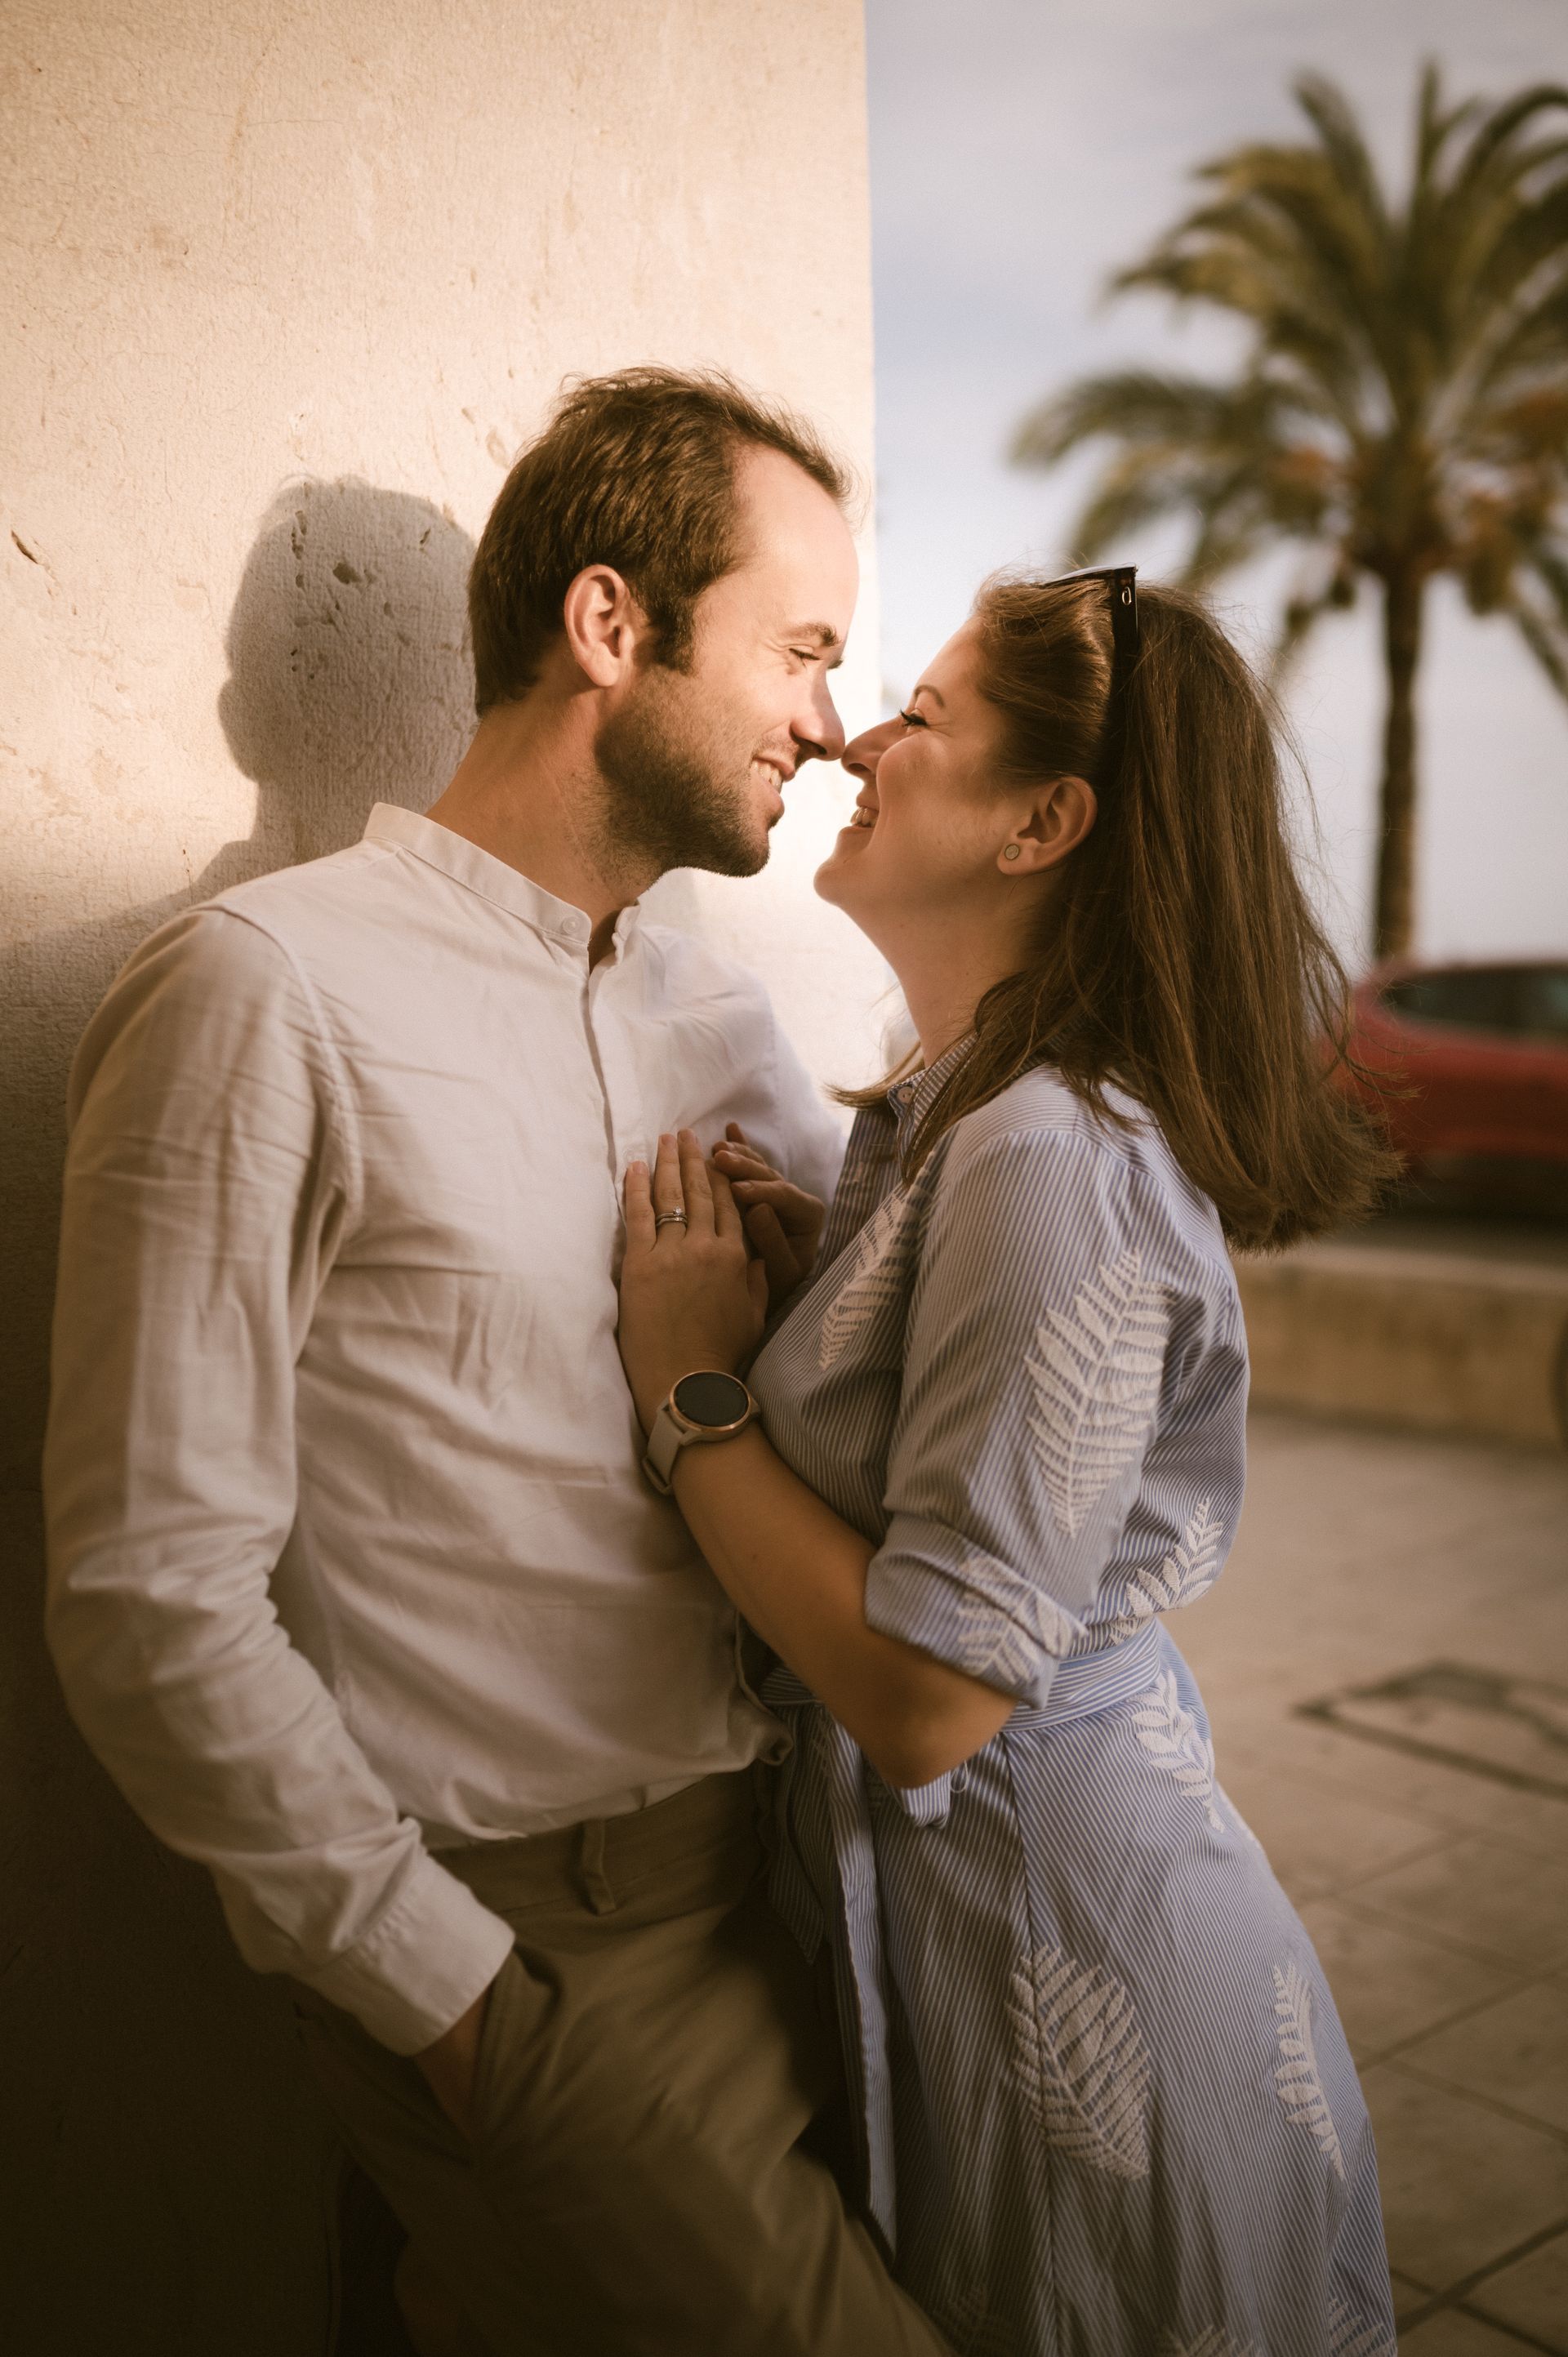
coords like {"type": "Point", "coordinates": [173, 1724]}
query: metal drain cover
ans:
{"type": "Point", "coordinates": [1512, 1729]}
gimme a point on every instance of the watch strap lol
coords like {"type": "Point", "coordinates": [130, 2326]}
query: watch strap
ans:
{"type": "Point", "coordinates": [666, 1439]}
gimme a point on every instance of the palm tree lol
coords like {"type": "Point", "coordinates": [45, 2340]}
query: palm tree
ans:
{"type": "Point", "coordinates": [1403, 408]}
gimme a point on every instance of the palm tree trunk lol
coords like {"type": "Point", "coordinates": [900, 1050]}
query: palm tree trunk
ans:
{"type": "Point", "coordinates": [1394, 920]}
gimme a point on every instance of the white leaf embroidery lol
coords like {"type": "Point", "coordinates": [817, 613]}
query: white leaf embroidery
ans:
{"type": "Point", "coordinates": [1170, 1735]}
{"type": "Point", "coordinates": [1000, 1643]}
{"type": "Point", "coordinates": [1296, 2074]}
{"type": "Point", "coordinates": [874, 1282]}
{"type": "Point", "coordinates": [1214, 2342]}
{"type": "Point", "coordinates": [1191, 1567]}
{"type": "Point", "coordinates": [1097, 1379]}
{"type": "Point", "coordinates": [1082, 2060]}
{"type": "Point", "coordinates": [1350, 2335]}
{"type": "Point", "coordinates": [1238, 1821]}
{"type": "Point", "coordinates": [975, 2331]}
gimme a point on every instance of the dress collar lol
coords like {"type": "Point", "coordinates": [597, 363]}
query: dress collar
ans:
{"type": "Point", "coordinates": [480, 871]}
{"type": "Point", "coordinates": [912, 1099]}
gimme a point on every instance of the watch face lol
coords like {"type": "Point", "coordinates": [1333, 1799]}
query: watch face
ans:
{"type": "Point", "coordinates": [712, 1400]}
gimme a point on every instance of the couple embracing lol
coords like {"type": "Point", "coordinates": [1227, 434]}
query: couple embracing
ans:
{"type": "Point", "coordinates": [680, 1688]}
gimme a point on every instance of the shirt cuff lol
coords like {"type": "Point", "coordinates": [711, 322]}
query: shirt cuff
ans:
{"type": "Point", "coordinates": [930, 1587]}
{"type": "Point", "coordinates": [423, 1964]}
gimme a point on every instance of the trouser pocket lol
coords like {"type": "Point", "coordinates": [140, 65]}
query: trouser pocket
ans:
{"type": "Point", "coordinates": [519, 2010]}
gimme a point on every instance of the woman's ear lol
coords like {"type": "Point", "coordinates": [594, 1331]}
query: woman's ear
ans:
{"type": "Point", "coordinates": [1056, 821]}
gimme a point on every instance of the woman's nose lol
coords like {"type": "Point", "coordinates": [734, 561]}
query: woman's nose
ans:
{"type": "Point", "coordinates": [860, 758]}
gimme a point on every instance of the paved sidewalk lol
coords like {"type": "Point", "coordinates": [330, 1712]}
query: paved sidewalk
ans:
{"type": "Point", "coordinates": [1437, 1895]}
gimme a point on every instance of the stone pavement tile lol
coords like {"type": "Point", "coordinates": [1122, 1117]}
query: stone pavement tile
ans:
{"type": "Point", "coordinates": [1461, 2184]}
{"type": "Point", "coordinates": [1321, 1837]}
{"type": "Point", "coordinates": [1515, 2051]}
{"type": "Point", "coordinates": [1450, 2334]}
{"type": "Point", "coordinates": [1307, 1606]}
{"type": "Point", "coordinates": [1327, 1500]}
{"type": "Point", "coordinates": [1452, 1797]}
{"type": "Point", "coordinates": [1409, 2298]}
{"type": "Point", "coordinates": [1532, 2294]}
{"type": "Point", "coordinates": [1389, 1983]}
{"type": "Point", "coordinates": [1483, 1895]}
{"type": "Point", "coordinates": [1392, 1524]}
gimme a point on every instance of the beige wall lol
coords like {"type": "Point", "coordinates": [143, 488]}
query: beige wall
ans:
{"type": "Point", "coordinates": [285, 288]}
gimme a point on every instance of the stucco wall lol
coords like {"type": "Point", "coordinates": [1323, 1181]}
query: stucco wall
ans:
{"type": "Point", "coordinates": [285, 288]}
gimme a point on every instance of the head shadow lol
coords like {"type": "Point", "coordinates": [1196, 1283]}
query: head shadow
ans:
{"type": "Point", "coordinates": [349, 681]}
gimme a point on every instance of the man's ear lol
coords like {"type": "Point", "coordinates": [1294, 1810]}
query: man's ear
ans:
{"type": "Point", "coordinates": [1056, 821]}
{"type": "Point", "coordinates": [604, 625]}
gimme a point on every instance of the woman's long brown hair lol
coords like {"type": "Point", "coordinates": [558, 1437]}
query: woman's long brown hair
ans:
{"type": "Point", "coordinates": [1178, 959]}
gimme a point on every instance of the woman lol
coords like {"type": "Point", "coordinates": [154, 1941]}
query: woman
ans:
{"type": "Point", "coordinates": [1105, 2104]}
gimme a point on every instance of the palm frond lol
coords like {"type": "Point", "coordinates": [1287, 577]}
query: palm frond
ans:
{"type": "Point", "coordinates": [1329, 112]}
{"type": "Point", "coordinates": [1131, 492]}
{"type": "Point", "coordinates": [1302, 614]}
{"type": "Point", "coordinates": [1498, 219]}
{"type": "Point", "coordinates": [1547, 644]}
{"type": "Point", "coordinates": [1402, 405]}
{"type": "Point", "coordinates": [1248, 263]}
{"type": "Point", "coordinates": [1493, 143]}
{"type": "Point", "coordinates": [1239, 460]}
{"type": "Point", "coordinates": [1277, 229]}
{"type": "Point", "coordinates": [1532, 342]}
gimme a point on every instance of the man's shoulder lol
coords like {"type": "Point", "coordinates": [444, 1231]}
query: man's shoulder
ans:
{"type": "Point", "coordinates": [289, 902]}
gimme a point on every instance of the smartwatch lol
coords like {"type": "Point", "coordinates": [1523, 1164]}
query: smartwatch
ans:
{"type": "Point", "coordinates": [704, 1406]}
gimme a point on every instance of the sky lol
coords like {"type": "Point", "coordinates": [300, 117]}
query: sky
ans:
{"type": "Point", "coordinates": [1021, 151]}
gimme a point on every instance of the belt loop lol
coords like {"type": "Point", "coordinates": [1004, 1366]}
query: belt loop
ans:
{"type": "Point", "coordinates": [595, 1882]}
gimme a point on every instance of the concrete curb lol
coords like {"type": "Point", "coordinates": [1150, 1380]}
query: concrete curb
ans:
{"type": "Point", "coordinates": [1429, 1342]}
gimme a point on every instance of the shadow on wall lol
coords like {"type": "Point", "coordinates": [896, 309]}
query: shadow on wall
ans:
{"type": "Point", "coordinates": [164, 2153]}
{"type": "Point", "coordinates": [349, 684]}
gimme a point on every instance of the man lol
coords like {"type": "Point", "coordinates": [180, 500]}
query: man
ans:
{"type": "Point", "coordinates": [355, 1585]}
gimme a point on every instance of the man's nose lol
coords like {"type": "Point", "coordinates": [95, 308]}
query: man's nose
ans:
{"type": "Point", "coordinates": [818, 736]}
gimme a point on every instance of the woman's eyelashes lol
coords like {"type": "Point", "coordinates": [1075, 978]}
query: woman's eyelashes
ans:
{"type": "Point", "coordinates": [912, 719]}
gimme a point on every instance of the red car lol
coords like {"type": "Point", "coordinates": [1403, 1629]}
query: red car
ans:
{"type": "Point", "coordinates": [1482, 1052]}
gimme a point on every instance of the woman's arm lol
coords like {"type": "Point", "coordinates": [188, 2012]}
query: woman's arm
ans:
{"type": "Point", "coordinates": [784, 1557]}
{"type": "Point", "coordinates": [798, 1573]}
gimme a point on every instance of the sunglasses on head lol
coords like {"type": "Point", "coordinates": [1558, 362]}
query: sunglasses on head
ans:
{"type": "Point", "coordinates": [1121, 581]}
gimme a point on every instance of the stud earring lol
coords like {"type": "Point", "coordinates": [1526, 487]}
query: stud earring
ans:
{"type": "Point", "coordinates": [1010, 851]}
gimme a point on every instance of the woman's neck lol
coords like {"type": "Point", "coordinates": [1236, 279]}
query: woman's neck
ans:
{"type": "Point", "coordinates": [943, 979]}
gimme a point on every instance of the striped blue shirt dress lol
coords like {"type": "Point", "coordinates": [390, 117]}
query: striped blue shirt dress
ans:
{"type": "Point", "coordinates": [1104, 2106]}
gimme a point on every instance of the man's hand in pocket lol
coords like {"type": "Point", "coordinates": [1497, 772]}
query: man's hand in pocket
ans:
{"type": "Point", "coordinates": [449, 2066]}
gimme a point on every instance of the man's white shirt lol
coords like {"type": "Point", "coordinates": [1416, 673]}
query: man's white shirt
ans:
{"type": "Point", "coordinates": [350, 1555]}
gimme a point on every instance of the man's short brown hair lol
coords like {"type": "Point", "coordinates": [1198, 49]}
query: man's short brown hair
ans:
{"type": "Point", "coordinates": [634, 470]}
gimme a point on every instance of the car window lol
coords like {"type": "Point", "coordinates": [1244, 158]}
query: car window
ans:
{"type": "Point", "coordinates": [1473, 998]}
{"type": "Point", "coordinates": [1546, 1002]}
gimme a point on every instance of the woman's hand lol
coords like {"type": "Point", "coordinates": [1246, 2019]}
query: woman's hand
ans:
{"type": "Point", "coordinates": [783, 1222]}
{"type": "Point", "coordinates": [691, 1293]}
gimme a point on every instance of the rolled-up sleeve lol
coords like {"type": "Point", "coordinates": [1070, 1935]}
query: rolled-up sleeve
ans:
{"type": "Point", "coordinates": [1036, 1357]}
{"type": "Point", "coordinates": [211, 1173]}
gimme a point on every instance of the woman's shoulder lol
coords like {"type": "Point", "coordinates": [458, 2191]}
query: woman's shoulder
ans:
{"type": "Point", "coordinates": [1038, 1147]}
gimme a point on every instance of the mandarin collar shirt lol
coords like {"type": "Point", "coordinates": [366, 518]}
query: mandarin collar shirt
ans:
{"type": "Point", "coordinates": [351, 1559]}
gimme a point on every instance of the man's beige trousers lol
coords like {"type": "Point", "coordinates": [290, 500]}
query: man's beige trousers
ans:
{"type": "Point", "coordinates": [653, 2056]}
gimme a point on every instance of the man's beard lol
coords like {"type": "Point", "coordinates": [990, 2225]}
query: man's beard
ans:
{"type": "Point", "coordinates": [673, 800]}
